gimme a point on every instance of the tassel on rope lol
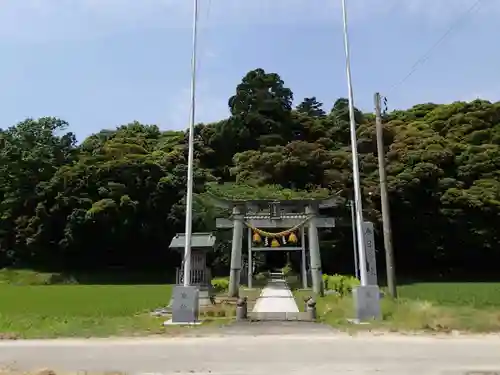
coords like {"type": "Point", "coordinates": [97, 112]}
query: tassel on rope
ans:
{"type": "Point", "coordinates": [266, 242]}
{"type": "Point", "coordinates": [284, 240]}
{"type": "Point", "coordinates": [256, 237]}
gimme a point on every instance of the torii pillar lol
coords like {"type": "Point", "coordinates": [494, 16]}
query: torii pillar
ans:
{"type": "Point", "coordinates": [314, 253]}
{"type": "Point", "coordinates": [236, 223]}
{"type": "Point", "coordinates": [234, 274]}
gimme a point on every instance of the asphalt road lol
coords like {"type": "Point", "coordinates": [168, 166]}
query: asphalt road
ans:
{"type": "Point", "coordinates": [317, 353]}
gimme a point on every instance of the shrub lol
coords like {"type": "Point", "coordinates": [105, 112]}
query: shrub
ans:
{"type": "Point", "coordinates": [342, 284]}
{"type": "Point", "coordinates": [28, 277]}
{"type": "Point", "coordinates": [287, 270]}
{"type": "Point", "coordinates": [220, 284]}
{"type": "Point", "coordinates": [262, 276]}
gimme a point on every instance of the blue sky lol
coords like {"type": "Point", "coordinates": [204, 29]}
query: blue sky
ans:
{"type": "Point", "coordinates": [101, 63]}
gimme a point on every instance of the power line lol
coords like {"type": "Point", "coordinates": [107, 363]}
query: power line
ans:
{"type": "Point", "coordinates": [459, 21]}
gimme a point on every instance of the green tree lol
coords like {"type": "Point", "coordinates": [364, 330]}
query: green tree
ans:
{"type": "Point", "coordinates": [117, 199]}
{"type": "Point", "coordinates": [261, 108]}
{"type": "Point", "coordinates": [311, 107]}
{"type": "Point", "coordinates": [31, 153]}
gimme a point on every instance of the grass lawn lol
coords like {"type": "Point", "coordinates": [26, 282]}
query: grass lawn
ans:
{"type": "Point", "coordinates": [80, 310]}
{"type": "Point", "coordinates": [435, 307]}
{"type": "Point", "coordinates": [72, 310]}
{"type": "Point", "coordinates": [479, 295]}
{"type": "Point", "coordinates": [47, 311]}
{"type": "Point", "coordinates": [37, 305]}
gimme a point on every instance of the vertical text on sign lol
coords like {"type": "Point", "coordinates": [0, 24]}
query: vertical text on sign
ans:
{"type": "Point", "coordinates": [371, 260]}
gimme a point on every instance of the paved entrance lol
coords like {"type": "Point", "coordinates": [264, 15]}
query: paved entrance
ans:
{"type": "Point", "coordinates": [276, 297]}
{"type": "Point", "coordinates": [276, 302]}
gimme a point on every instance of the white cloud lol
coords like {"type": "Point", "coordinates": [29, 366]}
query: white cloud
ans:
{"type": "Point", "coordinates": [492, 95]}
{"type": "Point", "coordinates": [210, 106]}
{"type": "Point", "coordinates": [56, 19]}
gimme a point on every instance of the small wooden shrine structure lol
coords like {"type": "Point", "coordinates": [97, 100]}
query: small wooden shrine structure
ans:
{"type": "Point", "coordinates": [200, 275]}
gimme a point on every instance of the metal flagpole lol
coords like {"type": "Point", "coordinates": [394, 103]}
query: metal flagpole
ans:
{"type": "Point", "coordinates": [189, 193]}
{"type": "Point", "coordinates": [354, 238]}
{"type": "Point", "coordinates": [358, 205]}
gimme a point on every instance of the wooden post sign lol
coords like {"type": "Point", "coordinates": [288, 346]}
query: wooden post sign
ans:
{"type": "Point", "coordinates": [274, 210]}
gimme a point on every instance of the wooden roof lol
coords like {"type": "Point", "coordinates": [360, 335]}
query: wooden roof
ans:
{"type": "Point", "coordinates": [198, 240]}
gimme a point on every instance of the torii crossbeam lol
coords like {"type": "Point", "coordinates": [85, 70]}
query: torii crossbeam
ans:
{"type": "Point", "coordinates": [275, 214]}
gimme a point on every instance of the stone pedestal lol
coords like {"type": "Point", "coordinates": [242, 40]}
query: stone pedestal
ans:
{"type": "Point", "coordinates": [185, 305]}
{"type": "Point", "coordinates": [205, 294]}
{"type": "Point", "coordinates": [366, 302]}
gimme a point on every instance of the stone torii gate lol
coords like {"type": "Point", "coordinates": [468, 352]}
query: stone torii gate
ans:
{"type": "Point", "coordinates": [275, 214]}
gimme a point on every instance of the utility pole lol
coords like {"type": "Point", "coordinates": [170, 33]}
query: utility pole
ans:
{"type": "Point", "coordinates": [384, 200]}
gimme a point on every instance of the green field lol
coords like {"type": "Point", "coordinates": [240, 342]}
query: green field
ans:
{"type": "Point", "coordinates": [432, 307]}
{"type": "Point", "coordinates": [72, 310]}
{"type": "Point", "coordinates": [80, 310]}
{"type": "Point", "coordinates": [480, 295]}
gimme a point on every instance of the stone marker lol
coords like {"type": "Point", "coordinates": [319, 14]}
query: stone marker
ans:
{"type": "Point", "coordinates": [371, 259]}
{"type": "Point", "coordinates": [366, 302]}
{"type": "Point", "coordinates": [185, 304]}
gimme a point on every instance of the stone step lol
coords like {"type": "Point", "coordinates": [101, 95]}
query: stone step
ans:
{"type": "Point", "coordinates": [279, 316]}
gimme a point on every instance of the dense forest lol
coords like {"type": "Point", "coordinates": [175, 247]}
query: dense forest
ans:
{"type": "Point", "coordinates": [115, 200]}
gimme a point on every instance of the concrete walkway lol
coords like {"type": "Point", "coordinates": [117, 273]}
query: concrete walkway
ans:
{"type": "Point", "coordinates": [276, 297]}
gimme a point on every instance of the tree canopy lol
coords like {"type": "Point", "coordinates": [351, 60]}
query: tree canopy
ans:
{"type": "Point", "coordinates": [116, 199]}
